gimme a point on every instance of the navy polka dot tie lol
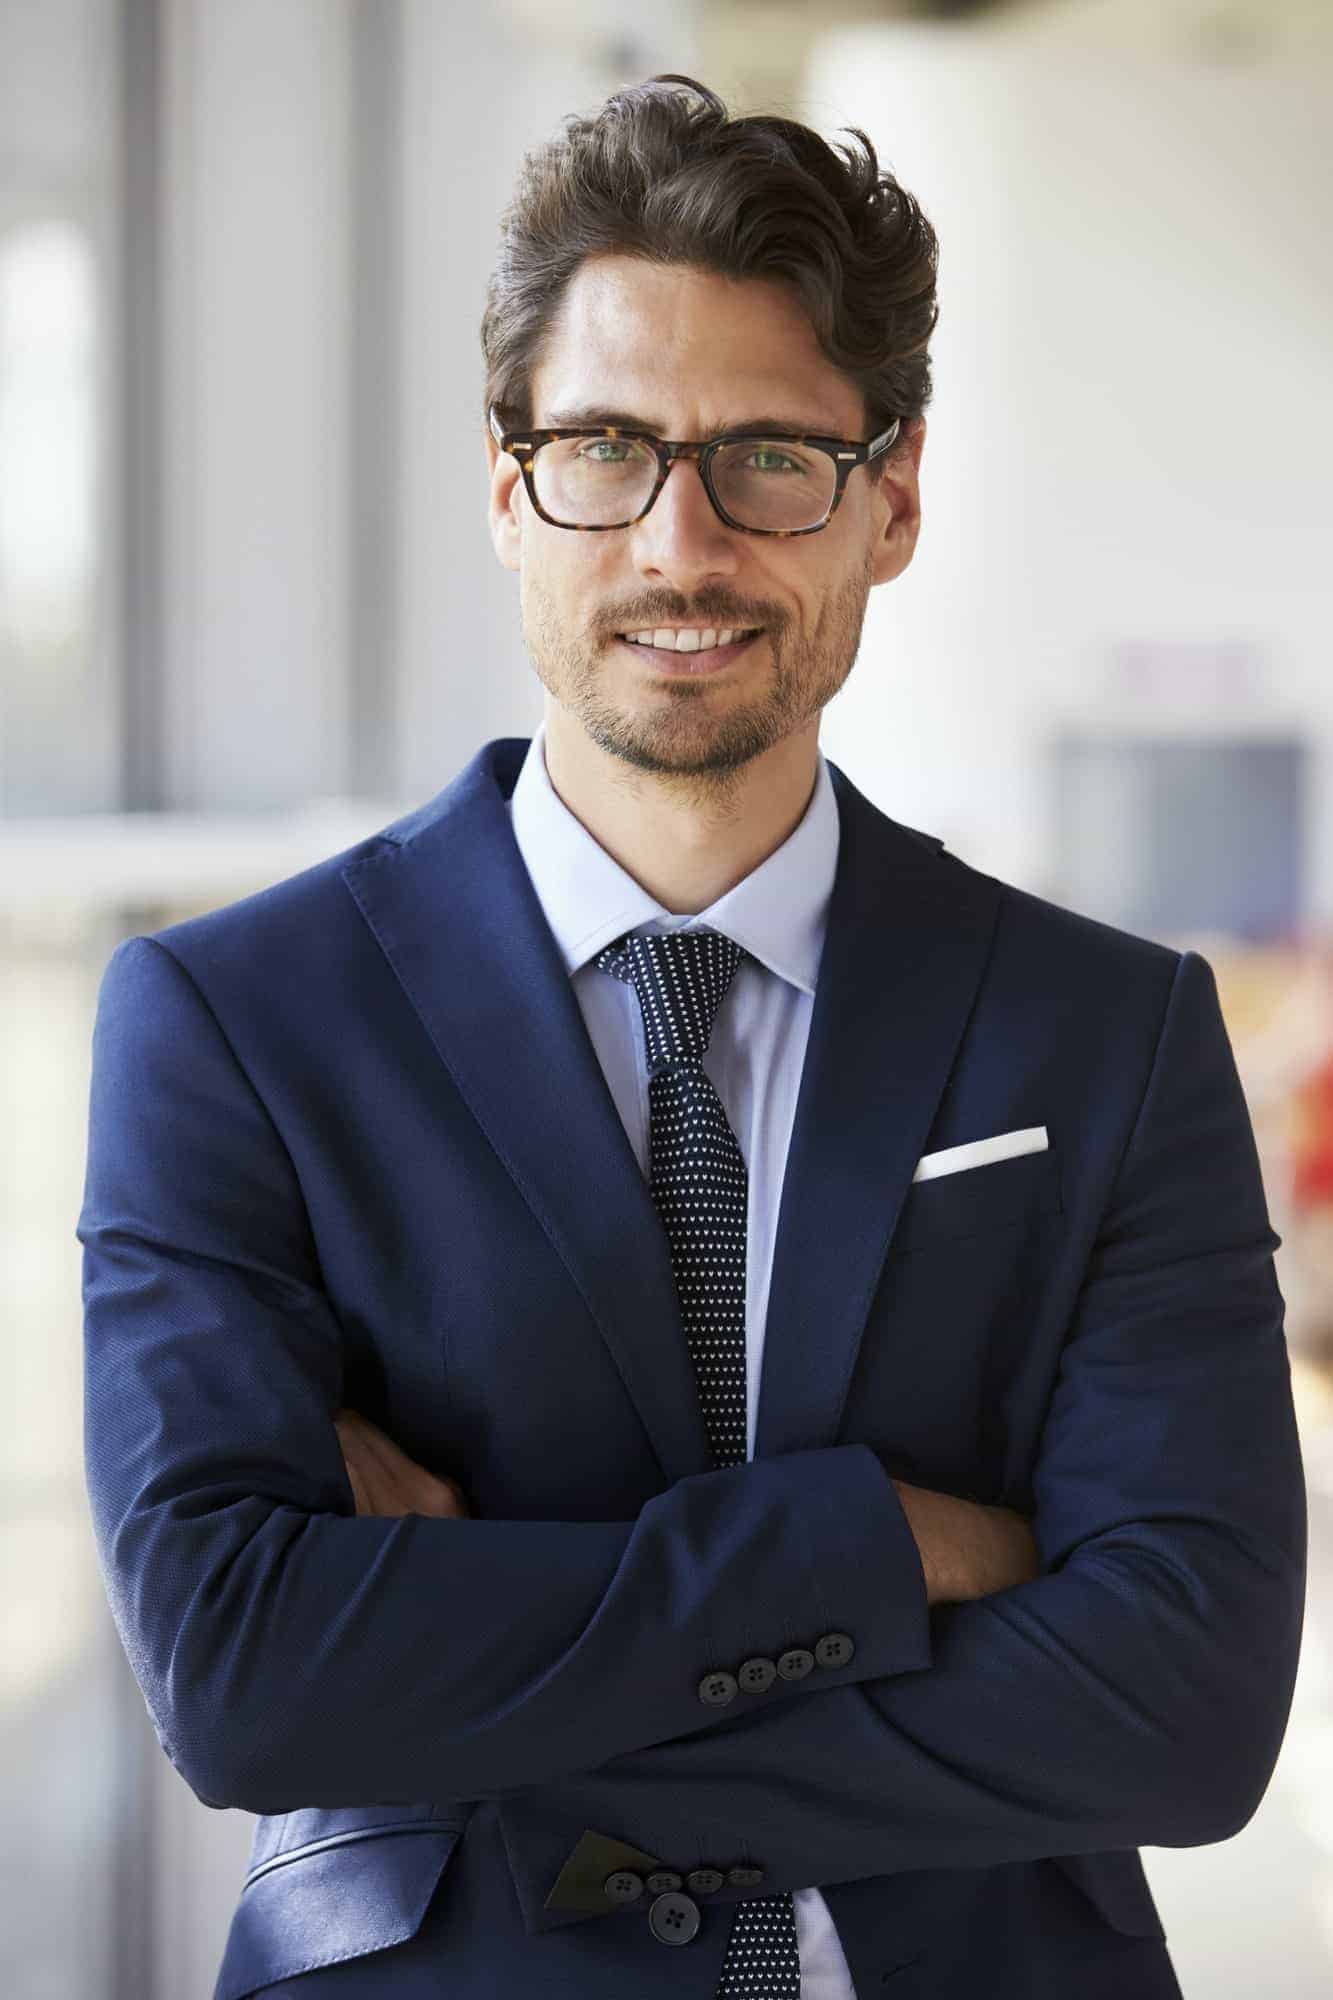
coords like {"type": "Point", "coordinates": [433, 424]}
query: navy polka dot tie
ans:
{"type": "Point", "coordinates": [698, 1179]}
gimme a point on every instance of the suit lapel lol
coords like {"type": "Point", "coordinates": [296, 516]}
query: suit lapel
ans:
{"type": "Point", "coordinates": [456, 915]}
{"type": "Point", "coordinates": [450, 902]}
{"type": "Point", "coordinates": [909, 930]}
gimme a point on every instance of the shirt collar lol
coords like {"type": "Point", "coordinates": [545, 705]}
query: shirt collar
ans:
{"type": "Point", "coordinates": [778, 912]}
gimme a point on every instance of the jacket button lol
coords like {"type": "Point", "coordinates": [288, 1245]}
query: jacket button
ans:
{"type": "Point", "coordinates": [663, 1879]}
{"type": "Point", "coordinates": [795, 1663]}
{"type": "Point", "coordinates": [756, 1675]}
{"type": "Point", "coordinates": [745, 1878]}
{"type": "Point", "coordinates": [704, 1881]}
{"type": "Point", "coordinates": [834, 1649]}
{"type": "Point", "coordinates": [717, 1689]}
{"type": "Point", "coordinates": [624, 1886]}
{"type": "Point", "coordinates": [673, 1918]}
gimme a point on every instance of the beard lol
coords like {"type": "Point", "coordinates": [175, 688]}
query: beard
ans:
{"type": "Point", "coordinates": [685, 729]}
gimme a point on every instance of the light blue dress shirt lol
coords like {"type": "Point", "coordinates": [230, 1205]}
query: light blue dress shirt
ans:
{"type": "Point", "coordinates": [754, 1058]}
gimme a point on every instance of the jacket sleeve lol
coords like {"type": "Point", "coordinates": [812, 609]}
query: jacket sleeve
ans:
{"type": "Point", "coordinates": [1137, 1690]}
{"type": "Point", "coordinates": [292, 1654]}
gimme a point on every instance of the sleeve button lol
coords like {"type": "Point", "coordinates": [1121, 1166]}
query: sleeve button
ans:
{"type": "Point", "coordinates": [757, 1674]}
{"type": "Point", "coordinates": [624, 1886]}
{"type": "Point", "coordinates": [745, 1878]}
{"type": "Point", "coordinates": [704, 1881]}
{"type": "Point", "coordinates": [717, 1689]}
{"type": "Point", "coordinates": [795, 1663]}
{"type": "Point", "coordinates": [835, 1649]}
{"type": "Point", "coordinates": [663, 1879]}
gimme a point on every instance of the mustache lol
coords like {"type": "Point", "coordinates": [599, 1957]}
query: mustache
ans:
{"type": "Point", "coordinates": [707, 614]}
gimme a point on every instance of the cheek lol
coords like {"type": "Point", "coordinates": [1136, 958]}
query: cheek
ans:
{"type": "Point", "coordinates": [582, 574]}
{"type": "Point", "coordinates": [562, 592]}
{"type": "Point", "coordinates": [788, 585]}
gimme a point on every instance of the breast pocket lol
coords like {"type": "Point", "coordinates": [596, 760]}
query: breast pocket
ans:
{"type": "Point", "coordinates": [972, 1201]}
{"type": "Point", "coordinates": [351, 1890]}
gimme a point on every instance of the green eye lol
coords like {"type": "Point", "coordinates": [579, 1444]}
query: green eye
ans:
{"type": "Point", "coordinates": [769, 452]}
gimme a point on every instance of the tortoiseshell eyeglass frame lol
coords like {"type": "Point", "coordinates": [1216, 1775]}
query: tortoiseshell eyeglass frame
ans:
{"type": "Point", "coordinates": [846, 453]}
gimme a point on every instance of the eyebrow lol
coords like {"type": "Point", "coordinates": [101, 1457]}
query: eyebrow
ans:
{"type": "Point", "coordinates": [596, 414]}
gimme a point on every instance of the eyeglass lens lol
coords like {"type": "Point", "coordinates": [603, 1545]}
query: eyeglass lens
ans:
{"type": "Point", "coordinates": [604, 482]}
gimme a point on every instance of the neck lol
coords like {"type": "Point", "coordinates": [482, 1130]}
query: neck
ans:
{"type": "Point", "coordinates": [685, 837]}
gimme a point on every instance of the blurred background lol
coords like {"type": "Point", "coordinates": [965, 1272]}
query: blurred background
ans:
{"type": "Point", "coordinates": [249, 612]}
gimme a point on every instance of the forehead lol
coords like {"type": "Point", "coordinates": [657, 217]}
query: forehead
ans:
{"type": "Point", "coordinates": [676, 344]}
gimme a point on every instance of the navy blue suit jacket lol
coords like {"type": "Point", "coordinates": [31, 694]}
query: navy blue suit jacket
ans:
{"type": "Point", "coordinates": [349, 1143]}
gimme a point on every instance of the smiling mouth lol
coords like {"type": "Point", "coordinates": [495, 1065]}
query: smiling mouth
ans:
{"type": "Point", "coordinates": [699, 642]}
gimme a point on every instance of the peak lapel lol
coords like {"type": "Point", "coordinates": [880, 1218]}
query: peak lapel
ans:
{"type": "Point", "coordinates": [909, 930]}
{"type": "Point", "coordinates": [452, 906]}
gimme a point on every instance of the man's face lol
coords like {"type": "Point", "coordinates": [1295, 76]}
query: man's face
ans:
{"type": "Point", "coordinates": [686, 353]}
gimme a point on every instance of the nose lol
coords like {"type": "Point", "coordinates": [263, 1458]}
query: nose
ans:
{"type": "Point", "coordinates": [681, 538]}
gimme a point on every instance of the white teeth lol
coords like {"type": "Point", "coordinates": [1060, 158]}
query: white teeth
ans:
{"type": "Point", "coordinates": [690, 640]}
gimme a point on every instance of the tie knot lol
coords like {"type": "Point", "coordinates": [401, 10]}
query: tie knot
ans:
{"type": "Point", "coordinates": [681, 978]}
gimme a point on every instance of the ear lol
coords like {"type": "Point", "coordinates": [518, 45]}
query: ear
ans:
{"type": "Point", "coordinates": [506, 498]}
{"type": "Point", "coordinates": [898, 506]}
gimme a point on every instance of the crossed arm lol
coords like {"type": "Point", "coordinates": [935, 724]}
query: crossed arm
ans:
{"type": "Point", "coordinates": [1118, 1673]}
{"type": "Point", "coordinates": [1135, 1689]}
{"type": "Point", "coordinates": [967, 1549]}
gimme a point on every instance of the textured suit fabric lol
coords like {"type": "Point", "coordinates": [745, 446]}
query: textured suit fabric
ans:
{"type": "Point", "coordinates": [331, 1160]}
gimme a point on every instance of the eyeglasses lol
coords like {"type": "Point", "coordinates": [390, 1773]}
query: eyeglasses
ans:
{"type": "Point", "coordinates": [594, 480]}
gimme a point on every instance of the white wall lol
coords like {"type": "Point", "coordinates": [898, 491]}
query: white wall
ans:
{"type": "Point", "coordinates": [59, 589]}
{"type": "Point", "coordinates": [464, 675]}
{"type": "Point", "coordinates": [255, 180]}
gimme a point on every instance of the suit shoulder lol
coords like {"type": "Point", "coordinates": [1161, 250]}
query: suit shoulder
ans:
{"type": "Point", "coordinates": [280, 922]}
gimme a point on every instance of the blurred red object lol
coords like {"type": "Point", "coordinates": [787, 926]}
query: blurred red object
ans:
{"type": "Point", "coordinates": [1312, 1149]}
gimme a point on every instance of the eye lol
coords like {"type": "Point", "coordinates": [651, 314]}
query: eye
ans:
{"type": "Point", "coordinates": [594, 450]}
{"type": "Point", "coordinates": [772, 453]}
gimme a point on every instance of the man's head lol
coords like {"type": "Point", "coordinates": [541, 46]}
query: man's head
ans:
{"type": "Point", "coordinates": [695, 272]}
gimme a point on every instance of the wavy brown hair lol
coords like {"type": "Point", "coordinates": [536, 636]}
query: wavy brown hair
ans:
{"type": "Point", "coordinates": [658, 176]}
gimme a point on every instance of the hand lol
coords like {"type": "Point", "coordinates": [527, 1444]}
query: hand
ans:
{"type": "Point", "coordinates": [967, 1549]}
{"type": "Point", "coordinates": [385, 1480]}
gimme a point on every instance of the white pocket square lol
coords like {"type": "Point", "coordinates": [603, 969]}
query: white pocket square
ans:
{"type": "Point", "coordinates": [980, 1152]}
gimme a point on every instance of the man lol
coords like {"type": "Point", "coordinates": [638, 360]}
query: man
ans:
{"type": "Point", "coordinates": [685, 1393]}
